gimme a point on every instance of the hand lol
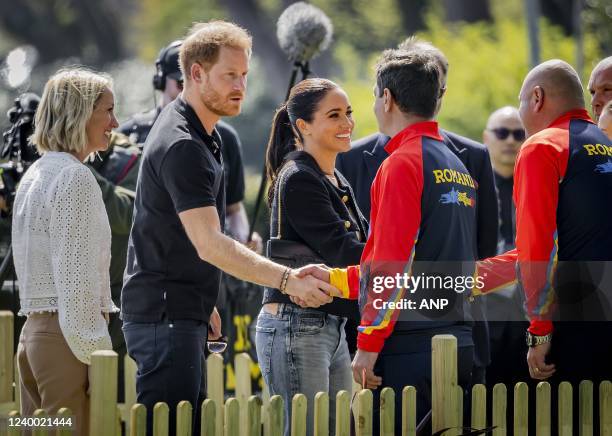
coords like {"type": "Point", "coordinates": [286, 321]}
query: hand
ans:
{"type": "Point", "coordinates": [363, 369]}
{"type": "Point", "coordinates": [214, 326]}
{"type": "Point", "coordinates": [3, 205]}
{"type": "Point", "coordinates": [310, 290]}
{"type": "Point", "coordinates": [318, 270]}
{"type": "Point", "coordinates": [298, 301]}
{"type": "Point", "coordinates": [256, 243]}
{"type": "Point", "coordinates": [536, 359]}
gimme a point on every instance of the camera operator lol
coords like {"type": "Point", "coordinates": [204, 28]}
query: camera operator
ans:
{"type": "Point", "coordinates": [19, 155]}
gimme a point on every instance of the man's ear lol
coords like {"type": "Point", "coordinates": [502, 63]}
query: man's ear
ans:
{"type": "Point", "coordinates": [197, 73]}
{"type": "Point", "coordinates": [388, 100]}
{"type": "Point", "coordinates": [537, 98]}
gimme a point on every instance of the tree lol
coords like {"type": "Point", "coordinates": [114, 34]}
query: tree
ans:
{"type": "Point", "coordinates": [95, 28]}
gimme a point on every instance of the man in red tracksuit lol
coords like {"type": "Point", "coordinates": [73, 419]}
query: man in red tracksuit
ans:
{"type": "Point", "coordinates": [563, 198]}
{"type": "Point", "coordinates": [422, 224]}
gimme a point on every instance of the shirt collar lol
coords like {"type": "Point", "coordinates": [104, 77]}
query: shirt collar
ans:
{"type": "Point", "coordinates": [190, 115]}
{"type": "Point", "coordinates": [580, 114]}
{"type": "Point", "coordinates": [423, 128]}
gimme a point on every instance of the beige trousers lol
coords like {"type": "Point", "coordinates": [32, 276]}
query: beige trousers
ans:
{"type": "Point", "coordinates": [51, 376]}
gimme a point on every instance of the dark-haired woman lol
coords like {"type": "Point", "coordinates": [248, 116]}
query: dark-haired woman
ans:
{"type": "Point", "coordinates": [304, 350]}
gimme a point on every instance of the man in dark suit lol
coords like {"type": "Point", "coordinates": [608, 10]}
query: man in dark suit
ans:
{"type": "Point", "coordinates": [360, 164]}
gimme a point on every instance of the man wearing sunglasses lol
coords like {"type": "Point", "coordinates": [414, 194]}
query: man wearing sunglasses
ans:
{"type": "Point", "coordinates": [503, 136]}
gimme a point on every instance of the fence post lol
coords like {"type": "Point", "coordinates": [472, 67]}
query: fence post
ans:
{"type": "Point", "coordinates": [387, 412]}
{"type": "Point", "coordinates": [6, 356]}
{"type": "Point", "coordinates": [184, 420]}
{"type": "Point", "coordinates": [321, 414]}
{"type": "Point", "coordinates": [242, 363]}
{"type": "Point", "coordinates": [479, 407]}
{"type": "Point", "coordinates": [232, 417]}
{"type": "Point", "coordinates": [585, 399]}
{"type": "Point", "coordinates": [299, 409]}
{"type": "Point", "coordinates": [276, 414]}
{"type": "Point", "coordinates": [215, 388]}
{"type": "Point", "coordinates": [409, 411]}
{"type": "Point", "coordinates": [207, 418]}
{"type": "Point", "coordinates": [364, 413]}
{"type": "Point", "coordinates": [459, 408]}
{"type": "Point", "coordinates": [40, 431]}
{"type": "Point", "coordinates": [343, 414]}
{"type": "Point", "coordinates": [129, 387]}
{"type": "Point", "coordinates": [14, 431]}
{"type": "Point", "coordinates": [103, 398]}
{"type": "Point", "coordinates": [500, 404]}
{"type": "Point", "coordinates": [161, 419]}
{"type": "Point", "coordinates": [17, 381]}
{"type": "Point", "coordinates": [118, 429]}
{"type": "Point", "coordinates": [443, 381]}
{"type": "Point", "coordinates": [565, 409]}
{"type": "Point", "coordinates": [543, 399]}
{"type": "Point", "coordinates": [605, 408]}
{"type": "Point", "coordinates": [265, 402]}
{"type": "Point", "coordinates": [254, 416]}
{"type": "Point", "coordinates": [138, 420]}
{"type": "Point", "coordinates": [521, 409]}
{"type": "Point", "coordinates": [64, 412]}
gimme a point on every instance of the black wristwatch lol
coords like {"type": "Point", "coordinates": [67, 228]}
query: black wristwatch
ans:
{"type": "Point", "coordinates": [533, 340]}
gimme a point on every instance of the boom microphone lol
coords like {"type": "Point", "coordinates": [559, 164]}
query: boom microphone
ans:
{"type": "Point", "coordinates": [303, 31]}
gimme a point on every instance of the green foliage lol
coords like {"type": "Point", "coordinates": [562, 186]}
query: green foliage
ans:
{"type": "Point", "coordinates": [160, 21]}
{"type": "Point", "coordinates": [488, 62]}
{"type": "Point", "coordinates": [366, 27]}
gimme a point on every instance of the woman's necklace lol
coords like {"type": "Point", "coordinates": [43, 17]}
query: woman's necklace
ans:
{"type": "Point", "coordinates": [332, 178]}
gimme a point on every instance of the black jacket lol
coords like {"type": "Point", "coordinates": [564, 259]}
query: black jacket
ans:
{"type": "Point", "coordinates": [316, 213]}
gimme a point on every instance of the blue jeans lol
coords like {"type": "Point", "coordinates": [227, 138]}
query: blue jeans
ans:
{"type": "Point", "coordinates": [171, 365]}
{"type": "Point", "coordinates": [303, 351]}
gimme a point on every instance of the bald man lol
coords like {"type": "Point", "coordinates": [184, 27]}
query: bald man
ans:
{"type": "Point", "coordinates": [503, 137]}
{"type": "Point", "coordinates": [600, 86]}
{"type": "Point", "coordinates": [563, 198]}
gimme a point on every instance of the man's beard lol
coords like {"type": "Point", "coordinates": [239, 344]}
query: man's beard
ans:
{"type": "Point", "coordinates": [215, 103]}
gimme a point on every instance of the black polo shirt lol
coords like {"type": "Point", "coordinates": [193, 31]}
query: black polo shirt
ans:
{"type": "Point", "coordinates": [182, 169]}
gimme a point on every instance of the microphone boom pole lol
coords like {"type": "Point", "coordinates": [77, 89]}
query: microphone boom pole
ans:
{"type": "Point", "coordinates": [303, 31]}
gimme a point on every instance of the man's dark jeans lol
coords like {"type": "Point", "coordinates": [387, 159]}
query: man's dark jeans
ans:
{"type": "Point", "coordinates": [171, 366]}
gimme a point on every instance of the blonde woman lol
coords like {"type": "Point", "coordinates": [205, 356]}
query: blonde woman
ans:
{"type": "Point", "coordinates": [61, 240]}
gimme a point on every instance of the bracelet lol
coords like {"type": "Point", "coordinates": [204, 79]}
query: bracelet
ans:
{"type": "Point", "coordinates": [284, 280]}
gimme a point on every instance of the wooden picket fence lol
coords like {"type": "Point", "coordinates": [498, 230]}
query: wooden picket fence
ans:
{"type": "Point", "coordinates": [251, 415]}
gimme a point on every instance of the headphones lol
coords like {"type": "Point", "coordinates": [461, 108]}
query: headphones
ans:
{"type": "Point", "coordinates": [159, 79]}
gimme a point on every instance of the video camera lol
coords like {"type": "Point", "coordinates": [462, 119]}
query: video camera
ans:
{"type": "Point", "coordinates": [17, 150]}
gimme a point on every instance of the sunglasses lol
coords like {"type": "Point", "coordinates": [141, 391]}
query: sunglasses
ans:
{"type": "Point", "coordinates": [218, 346]}
{"type": "Point", "coordinates": [502, 133]}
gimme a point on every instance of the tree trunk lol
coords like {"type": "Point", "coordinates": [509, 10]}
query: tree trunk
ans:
{"type": "Point", "coordinates": [467, 10]}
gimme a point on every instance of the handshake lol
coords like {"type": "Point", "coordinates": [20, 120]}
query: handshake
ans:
{"type": "Point", "coordinates": [309, 286]}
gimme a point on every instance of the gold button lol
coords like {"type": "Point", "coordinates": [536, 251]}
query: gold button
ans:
{"type": "Point", "coordinates": [347, 224]}
{"type": "Point", "coordinates": [345, 198]}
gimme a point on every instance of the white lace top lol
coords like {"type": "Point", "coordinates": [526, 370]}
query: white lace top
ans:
{"type": "Point", "coordinates": [61, 250]}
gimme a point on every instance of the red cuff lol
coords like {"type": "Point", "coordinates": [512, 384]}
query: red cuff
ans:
{"type": "Point", "coordinates": [540, 328]}
{"type": "Point", "coordinates": [370, 343]}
